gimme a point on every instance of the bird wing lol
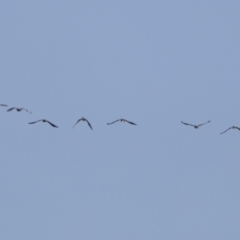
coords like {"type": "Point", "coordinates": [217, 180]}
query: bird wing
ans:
{"type": "Point", "coordinates": [53, 125]}
{"type": "Point", "coordinates": [77, 122]}
{"type": "Point", "coordinates": [10, 109]}
{"type": "Point", "coordinates": [130, 122]}
{"type": "Point", "coordinates": [35, 121]}
{"type": "Point", "coordinates": [89, 124]}
{"type": "Point", "coordinates": [113, 122]}
{"type": "Point", "coordinates": [3, 105]}
{"type": "Point", "coordinates": [203, 123]}
{"type": "Point", "coordinates": [188, 124]}
{"type": "Point", "coordinates": [226, 130]}
{"type": "Point", "coordinates": [26, 110]}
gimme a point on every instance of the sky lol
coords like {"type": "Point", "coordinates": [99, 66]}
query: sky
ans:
{"type": "Point", "coordinates": [155, 63]}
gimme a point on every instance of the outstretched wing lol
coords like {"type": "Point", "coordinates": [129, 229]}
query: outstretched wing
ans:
{"type": "Point", "coordinates": [25, 110]}
{"type": "Point", "coordinates": [53, 125]}
{"type": "Point", "coordinates": [113, 122]}
{"type": "Point", "coordinates": [77, 122]}
{"type": "Point", "coordinates": [3, 105]}
{"type": "Point", "coordinates": [89, 124]}
{"type": "Point", "coordinates": [10, 109]}
{"type": "Point", "coordinates": [35, 121]}
{"type": "Point", "coordinates": [226, 130]}
{"type": "Point", "coordinates": [130, 122]}
{"type": "Point", "coordinates": [187, 124]}
{"type": "Point", "coordinates": [203, 123]}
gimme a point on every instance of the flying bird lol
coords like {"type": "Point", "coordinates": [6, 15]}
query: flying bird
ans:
{"type": "Point", "coordinates": [18, 109]}
{"type": "Point", "coordinates": [122, 120]}
{"type": "Point", "coordinates": [195, 126]}
{"type": "Point", "coordinates": [3, 105]}
{"type": "Point", "coordinates": [83, 119]}
{"type": "Point", "coordinates": [44, 120]}
{"type": "Point", "coordinates": [233, 127]}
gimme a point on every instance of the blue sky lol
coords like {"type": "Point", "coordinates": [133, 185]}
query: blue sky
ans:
{"type": "Point", "coordinates": [155, 63]}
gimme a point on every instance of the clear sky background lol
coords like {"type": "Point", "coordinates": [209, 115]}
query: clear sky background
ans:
{"type": "Point", "coordinates": [155, 63]}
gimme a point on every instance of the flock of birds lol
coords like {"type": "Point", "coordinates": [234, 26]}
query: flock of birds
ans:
{"type": "Point", "coordinates": [121, 120]}
{"type": "Point", "coordinates": [53, 125]}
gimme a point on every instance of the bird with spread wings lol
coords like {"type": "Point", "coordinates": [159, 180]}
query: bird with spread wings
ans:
{"type": "Point", "coordinates": [18, 109]}
{"type": "Point", "coordinates": [82, 119]}
{"type": "Point", "coordinates": [195, 126]}
{"type": "Point", "coordinates": [233, 127]}
{"type": "Point", "coordinates": [122, 120]}
{"type": "Point", "coordinates": [44, 120]}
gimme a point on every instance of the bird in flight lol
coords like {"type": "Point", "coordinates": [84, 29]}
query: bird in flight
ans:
{"type": "Point", "coordinates": [44, 120]}
{"type": "Point", "coordinates": [18, 109]}
{"type": "Point", "coordinates": [122, 120]}
{"type": "Point", "coordinates": [83, 119]}
{"type": "Point", "coordinates": [195, 126]}
{"type": "Point", "coordinates": [3, 105]}
{"type": "Point", "coordinates": [233, 127]}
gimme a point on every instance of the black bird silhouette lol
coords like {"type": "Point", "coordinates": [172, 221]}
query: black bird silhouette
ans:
{"type": "Point", "coordinates": [83, 119]}
{"type": "Point", "coordinates": [3, 105]}
{"type": "Point", "coordinates": [122, 120]}
{"type": "Point", "coordinates": [196, 126]}
{"type": "Point", "coordinates": [18, 109]}
{"type": "Point", "coordinates": [44, 120]}
{"type": "Point", "coordinates": [233, 127]}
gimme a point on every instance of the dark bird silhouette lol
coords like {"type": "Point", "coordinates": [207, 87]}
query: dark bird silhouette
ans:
{"type": "Point", "coordinates": [195, 126]}
{"type": "Point", "coordinates": [233, 127]}
{"type": "Point", "coordinates": [44, 120]}
{"type": "Point", "coordinates": [18, 109]}
{"type": "Point", "coordinates": [83, 119]}
{"type": "Point", "coordinates": [122, 120]}
{"type": "Point", "coordinates": [3, 105]}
